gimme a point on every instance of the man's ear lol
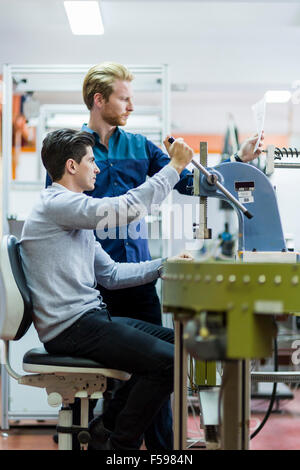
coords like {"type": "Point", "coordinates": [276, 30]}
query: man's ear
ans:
{"type": "Point", "coordinates": [98, 99]}
{"type": "Point", "coordinates": [70, 166]}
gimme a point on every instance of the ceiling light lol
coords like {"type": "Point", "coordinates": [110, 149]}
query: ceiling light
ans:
{"type": "Point", "coordinates": [84, 17]}
{"type": "Point", "coordinates": [278, 96]}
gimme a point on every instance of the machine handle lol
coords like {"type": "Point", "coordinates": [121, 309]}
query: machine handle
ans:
{"type": "Point", "coordinates": [219, 185]}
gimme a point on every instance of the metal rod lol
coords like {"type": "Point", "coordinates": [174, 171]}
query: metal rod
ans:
{"type": "Point", "coordinates": [6, 145]}
{"type": "Point", "coordinates": [283, 377]}
{"type": "Point", "coordinates": [286, 165]}
{"type": "Point", "coordinates": [76, 68]}
{"type": "Point", "coordinates": [203, 231]}
{"type": "Point", "coordinates": [5, 361]}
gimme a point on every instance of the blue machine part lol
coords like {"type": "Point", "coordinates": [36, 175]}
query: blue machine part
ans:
{"type": "Point", "coordinates": [253, 189]}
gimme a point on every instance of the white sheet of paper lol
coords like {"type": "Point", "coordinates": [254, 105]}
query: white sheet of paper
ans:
{"type": "Point", "coordinates": [259, 111]}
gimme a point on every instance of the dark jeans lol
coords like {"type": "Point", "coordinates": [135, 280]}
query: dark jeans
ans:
{"type": "Point", "coordinates": [140, 348]}
{"type": "Point", "coordinates": [142, 303]}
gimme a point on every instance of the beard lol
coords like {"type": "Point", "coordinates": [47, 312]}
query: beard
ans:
{"type": "Point", "coordinates": [115, 120]}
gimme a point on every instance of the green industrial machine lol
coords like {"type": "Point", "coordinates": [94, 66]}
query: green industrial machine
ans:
{"type": "Point", "coordinates": [225, 312]}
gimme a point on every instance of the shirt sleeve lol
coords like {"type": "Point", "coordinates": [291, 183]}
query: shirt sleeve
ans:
{"type": "Point", "coordinates": [113, 275]}
{"type": "Point", "coordinates": [158, 159]}
{"type": "Point", "coordinates": [78, 211]}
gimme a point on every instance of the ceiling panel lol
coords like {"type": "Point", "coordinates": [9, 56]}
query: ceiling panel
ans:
{"type": "Point", "coordinates": [230, 49]}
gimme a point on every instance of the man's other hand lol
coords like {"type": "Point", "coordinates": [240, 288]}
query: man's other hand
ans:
{"type": "Point", "coordinates": [246, 152]}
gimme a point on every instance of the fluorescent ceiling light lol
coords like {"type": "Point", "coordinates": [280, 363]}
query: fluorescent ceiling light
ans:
{"type": "Point", "coordinates": [84, 17]}
{"type": "Point", "coordinates": [278, 96]}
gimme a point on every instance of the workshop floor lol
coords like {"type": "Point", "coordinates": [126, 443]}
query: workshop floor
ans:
{"type": "Point", "coordinates": [281, 432]}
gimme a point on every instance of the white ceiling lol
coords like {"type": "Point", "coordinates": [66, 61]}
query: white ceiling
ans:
{"type": "Point", "coordinates": [227, 53]}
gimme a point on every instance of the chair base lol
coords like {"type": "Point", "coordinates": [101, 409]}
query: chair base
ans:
{"type": "Point", "coordinates": [66, 378]}
{"type": "Point", "coordinates": [64, 388]}
{"type": "Point", "coordinates": [66, 429]}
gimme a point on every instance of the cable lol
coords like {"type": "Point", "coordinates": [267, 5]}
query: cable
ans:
{"type": "Point", "coordinates": [273, 396]}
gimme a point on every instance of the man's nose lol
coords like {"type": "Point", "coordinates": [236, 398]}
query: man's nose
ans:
{"type": "Point", "coordinates": [130, 105]}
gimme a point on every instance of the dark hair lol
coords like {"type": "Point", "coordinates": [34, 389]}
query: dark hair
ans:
{"type": "Point", "coordinates": [60, 145]}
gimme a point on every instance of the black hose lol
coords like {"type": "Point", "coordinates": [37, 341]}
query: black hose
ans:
{"type": "Point", "coordinates": [273, 396]}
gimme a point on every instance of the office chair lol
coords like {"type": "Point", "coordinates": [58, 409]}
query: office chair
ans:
{"type": "Point", "coordinates": [64, 378]}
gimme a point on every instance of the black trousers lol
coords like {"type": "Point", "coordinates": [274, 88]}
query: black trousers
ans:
{"type": "Point", "coordinates": [142, 303]}
{"type": "Point", "coordinates": [141, 348]}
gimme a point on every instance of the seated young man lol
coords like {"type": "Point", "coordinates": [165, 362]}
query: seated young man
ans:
{"type": "Point", "coordinates": [69, 314]}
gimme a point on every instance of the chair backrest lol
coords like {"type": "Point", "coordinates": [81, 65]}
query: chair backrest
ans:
{"type": "Point", "coordinates": [15, 300]}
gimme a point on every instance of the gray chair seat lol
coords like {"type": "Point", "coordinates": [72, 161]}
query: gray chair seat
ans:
{"type": "Point", "coordinates": [38, 360]}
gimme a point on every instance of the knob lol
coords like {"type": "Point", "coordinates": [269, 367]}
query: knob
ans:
{"type": "Point", "coordinates": [54, 399]}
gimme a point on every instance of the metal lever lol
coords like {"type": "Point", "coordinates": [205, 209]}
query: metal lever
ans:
{"type": "Point", "coordinates": [212, 180]}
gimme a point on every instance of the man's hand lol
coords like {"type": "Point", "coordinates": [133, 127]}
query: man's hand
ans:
{"type": "Point", "coordinates": [246, 152]}
{"type": "Point", "coordinates": [181, 154]}
{"type": "Point", "coordinates": [183, 256]}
